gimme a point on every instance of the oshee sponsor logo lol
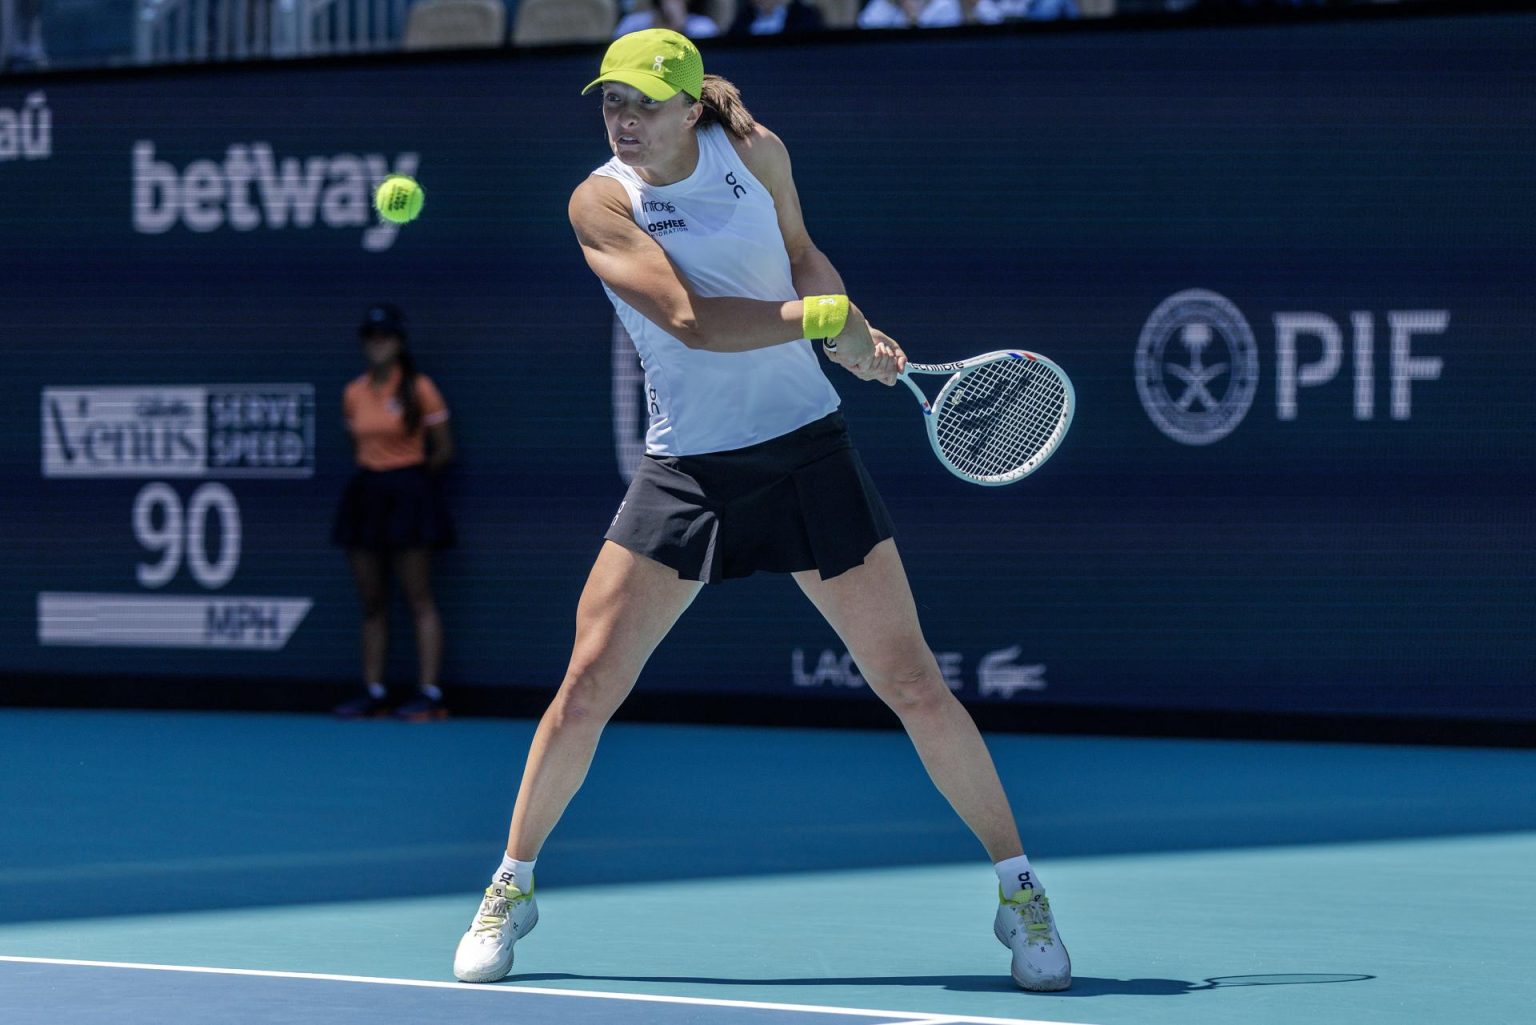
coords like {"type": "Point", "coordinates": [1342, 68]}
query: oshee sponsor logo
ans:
{"type": "Point", "coordinates": [251, 187]}
{"type": "Point", "coordinates": [26, 132]}
{"type": "Point", "coordinates": [179, 431]}
{"type": "Point", "coordinates": [1198, 370]}
{"type": "Point", "coordinates": [999, 673]}
{"type": "Point", "coordinates": [667, 227]}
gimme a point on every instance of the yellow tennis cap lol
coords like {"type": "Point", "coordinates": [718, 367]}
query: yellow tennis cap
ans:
{"type": "Point", "coordinates": [657, 61]}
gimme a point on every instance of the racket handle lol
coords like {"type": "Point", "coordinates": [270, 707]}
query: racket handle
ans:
{"type": "Point", "coordinates": [904, 379]}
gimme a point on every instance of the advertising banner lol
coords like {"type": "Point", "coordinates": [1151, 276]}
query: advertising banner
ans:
{"type": "Point", "coordinates": [1288, 268]}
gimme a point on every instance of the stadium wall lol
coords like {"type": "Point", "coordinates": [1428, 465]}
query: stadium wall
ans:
{"type": "Point", "coordinates": [1288, 266]}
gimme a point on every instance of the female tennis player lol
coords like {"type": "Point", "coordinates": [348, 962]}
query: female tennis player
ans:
{"type": "Point", "coordinates": [694, 229]}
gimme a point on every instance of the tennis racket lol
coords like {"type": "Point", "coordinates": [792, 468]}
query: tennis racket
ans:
{"type": "Point", "coordinates": [998, 417]}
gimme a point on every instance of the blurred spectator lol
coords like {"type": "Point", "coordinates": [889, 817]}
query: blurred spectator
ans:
{"type": "Point", "coordinates": [770, 17]}
{"type": "Point", "coordinates": [1276, 5]}
{"type": "Point", "coordinates": [21, 35]}
{"type": "Point", "coordinates": [392, 516]}
{"type": "Point", "coordinates": [948, 13]}
{"type": "Point", "coordinates": [677, 15]}
{"type": "Point", "coordinates": [1039, 10]}
{"type": "Point", "coordinates": [1181, 6]}
{"type": "Point", "coordinates": [891, 13]}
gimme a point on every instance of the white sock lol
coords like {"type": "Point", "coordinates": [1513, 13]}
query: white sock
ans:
{"type": "Point", "coordinates": [377, 691]}
{"type": "Point", "coordinates": [518, 873]}
{"type": "Point", "coordinates": [1015, 875]}
{"type": "Point", "coordinates": [431, 691]}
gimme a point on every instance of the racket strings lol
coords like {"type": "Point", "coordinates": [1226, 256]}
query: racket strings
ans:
{"type": "Point", "coordinates": [1001, 417]}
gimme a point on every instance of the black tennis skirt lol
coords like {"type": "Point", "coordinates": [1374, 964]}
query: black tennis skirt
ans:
{"type": "Point", "coordinates": [391, 510]}
{"type": "Point", "coordinates": [797, 502]}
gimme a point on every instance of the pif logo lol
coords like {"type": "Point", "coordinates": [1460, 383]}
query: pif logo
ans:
{"type": "Point", "coordinates": [1197, 362]}
{"type": "Point", "coordinates": [1197, 367]}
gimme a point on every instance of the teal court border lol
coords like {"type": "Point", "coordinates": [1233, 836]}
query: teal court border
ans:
{"type": "Point", "coordinates": [711, 863]}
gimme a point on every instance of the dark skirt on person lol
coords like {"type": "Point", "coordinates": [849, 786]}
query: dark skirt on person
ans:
{"type": "Point", "coordinates": [392, 510]}
{"type": "Point", "coordinates": [800, 501]}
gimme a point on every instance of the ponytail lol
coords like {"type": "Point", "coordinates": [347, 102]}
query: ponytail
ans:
{"type": "Point", "coordinates": [723, 106]}
{"type": "Point", "coordinates": [410, 402]}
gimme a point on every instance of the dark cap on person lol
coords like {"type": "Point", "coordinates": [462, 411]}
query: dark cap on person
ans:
{"type": "Point", "coordinates": [382, 319]}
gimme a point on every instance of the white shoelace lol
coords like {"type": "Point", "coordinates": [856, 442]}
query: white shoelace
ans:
{"type": "Point", "coordinates": [492, 917]}
{"type": "Point", "coordinates": [1036, 913]}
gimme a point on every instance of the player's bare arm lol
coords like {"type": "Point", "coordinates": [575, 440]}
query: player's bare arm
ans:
{"type": "Point", "coordinates": [639, 271]}
{"type": "Point", "coordinates": [767, 158]}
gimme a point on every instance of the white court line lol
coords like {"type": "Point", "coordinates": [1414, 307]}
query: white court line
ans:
{"type": "Point", "coordinates": [896, 1017]}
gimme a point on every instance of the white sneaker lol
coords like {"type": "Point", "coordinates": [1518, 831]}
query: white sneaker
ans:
{"type": "Point", "coordinates": [1025, 926]}
{"type": "Point", "coordinates": [506, 915]}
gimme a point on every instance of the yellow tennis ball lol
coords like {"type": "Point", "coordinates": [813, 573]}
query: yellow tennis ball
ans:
{"type": "Point", "coordinates": [398, 199]}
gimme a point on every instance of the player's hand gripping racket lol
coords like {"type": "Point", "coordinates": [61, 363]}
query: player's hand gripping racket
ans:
{"type": "Point", "coordinates": [999, 417]}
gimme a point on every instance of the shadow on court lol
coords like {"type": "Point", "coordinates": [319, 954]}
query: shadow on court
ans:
{"type": "Point", "coordinates": [1082, 985]}
{"type": "Point", "coordinates": [163, 812]}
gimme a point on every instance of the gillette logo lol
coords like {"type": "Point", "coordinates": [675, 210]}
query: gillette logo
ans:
{"type": "Point", "coordinates": [252, 188]}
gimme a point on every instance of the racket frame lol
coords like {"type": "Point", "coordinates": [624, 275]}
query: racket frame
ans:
{"type": "Point", "coordinates": [957, 373]}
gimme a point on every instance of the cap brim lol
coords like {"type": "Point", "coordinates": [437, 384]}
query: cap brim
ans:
{"type": "Point", "coordinates": [653, 86]}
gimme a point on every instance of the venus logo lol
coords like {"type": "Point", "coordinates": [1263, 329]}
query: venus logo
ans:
{"type": "Point", "coordinates": [659, 61]}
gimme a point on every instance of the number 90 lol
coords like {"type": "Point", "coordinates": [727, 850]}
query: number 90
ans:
{"type": "Point", "coordinates": [160, 526]}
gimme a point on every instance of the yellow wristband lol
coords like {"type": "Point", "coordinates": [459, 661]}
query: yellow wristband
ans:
{"type": "Point", "coordinates": [824, 316]}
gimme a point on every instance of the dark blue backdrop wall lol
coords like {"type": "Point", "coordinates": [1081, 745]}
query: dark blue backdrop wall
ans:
{"type": "Point", "coordinates": [1289, 268]}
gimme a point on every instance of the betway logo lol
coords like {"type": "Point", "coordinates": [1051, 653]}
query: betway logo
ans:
{"type": "Point", "coordinates": [252, 188]}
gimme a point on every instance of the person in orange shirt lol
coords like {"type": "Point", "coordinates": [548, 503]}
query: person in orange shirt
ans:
{"type": "Point", "coordinates": [392, 515]}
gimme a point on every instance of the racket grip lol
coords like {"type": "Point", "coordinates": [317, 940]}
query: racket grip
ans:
{"type": "Point", "coordinates": [921, 398]}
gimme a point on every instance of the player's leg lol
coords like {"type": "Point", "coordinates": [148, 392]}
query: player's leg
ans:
{"type": "Point", "coordinates": [871, 608]}
{"type": "Point", "coordinates": [413, 567]}
{"type": "Point", "coordinates": [370, 572]}
{"type": "Point", "coordinates": [628, 605]}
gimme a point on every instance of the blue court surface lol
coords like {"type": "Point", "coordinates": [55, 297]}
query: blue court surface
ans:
{"type": "Point", "coordinates": [116, 992]}
{"type": "Point", "coordinates": [256, 869]}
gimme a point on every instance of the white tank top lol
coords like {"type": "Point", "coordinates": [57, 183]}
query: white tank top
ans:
{"type": "Point", "coordinates": [720, 228]}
